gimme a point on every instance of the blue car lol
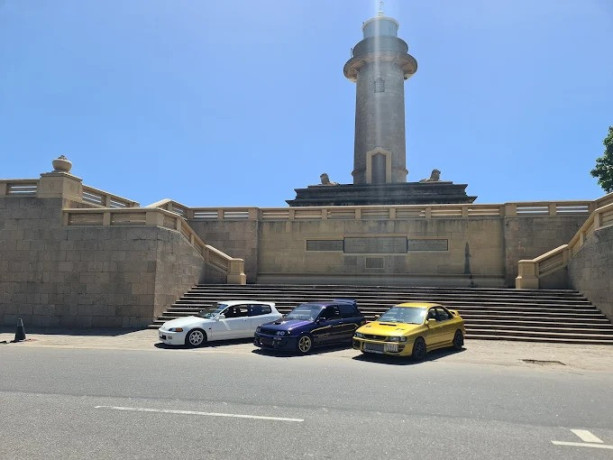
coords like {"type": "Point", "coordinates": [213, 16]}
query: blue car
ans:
{"type": "Point", "coordinates": [310, 325]}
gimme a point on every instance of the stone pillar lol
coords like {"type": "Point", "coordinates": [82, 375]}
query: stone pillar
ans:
{"type": "Point", "coordinates": [379, 65]}
{"type": "Point", "coordinates": [60, 183]}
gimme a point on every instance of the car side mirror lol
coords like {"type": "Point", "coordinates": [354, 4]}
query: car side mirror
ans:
{"type": "Point", "coordinates": [220, 317]}
{"type": "Point", "coordinates": [428, 321]}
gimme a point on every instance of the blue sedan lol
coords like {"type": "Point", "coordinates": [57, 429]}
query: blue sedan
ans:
{"type": "Point", "coordinates": [311, 325]}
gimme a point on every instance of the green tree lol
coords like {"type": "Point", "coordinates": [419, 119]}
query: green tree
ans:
{"type": "Point", "coordinates": [604, 165]}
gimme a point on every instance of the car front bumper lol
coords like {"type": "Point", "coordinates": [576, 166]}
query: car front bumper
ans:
{"type": "Point", "coordinates": [380, 347]}
{"type": "Point", "coordinates": [274, 342]}
{"type": "Point", "coordinates": [172, 338]}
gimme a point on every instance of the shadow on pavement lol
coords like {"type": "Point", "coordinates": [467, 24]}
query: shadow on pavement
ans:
{"type": "Point", "coordinates": [68, 331]}
{"type": "Point", "coordinates": [212, 344]}
{"type": "Point", "coordinates": [434, 355]}
{"type": "Point", "coordinates": [289, 353]}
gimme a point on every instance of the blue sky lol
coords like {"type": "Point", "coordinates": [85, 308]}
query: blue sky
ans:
{"type": "Point", "coordinates": [239, 102]}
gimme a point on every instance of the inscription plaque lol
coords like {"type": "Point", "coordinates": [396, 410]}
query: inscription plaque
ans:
{"type": "Point", "coordinates": [324, 245]}
{"type": "Point", "coordinates": [386, 245]}
{"type": "Point", "coordinates": [427, 245]}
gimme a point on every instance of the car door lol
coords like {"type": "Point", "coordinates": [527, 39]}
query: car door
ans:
{"type": "Point", "coordinates": [329, 327]}
{"type": "Point", "coordinates": [447, 329]}
{"type": "Point", "coordinates": [234, 323]}
{"type": "Point", "coordinates": [350, 321]}
{"type": "Point", "coordinates": [435, 329]}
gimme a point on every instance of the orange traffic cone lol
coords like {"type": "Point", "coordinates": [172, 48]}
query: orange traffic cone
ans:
{"type": "Point", "coordinates": [20, 333]}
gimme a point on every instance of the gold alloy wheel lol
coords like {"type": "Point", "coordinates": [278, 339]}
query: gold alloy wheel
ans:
{"type": "Point", "coordinates": [304, 344]}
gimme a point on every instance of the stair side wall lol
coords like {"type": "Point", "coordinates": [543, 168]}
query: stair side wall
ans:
{"type": "Point", "coordinates": [81, 277]}
{"type": "Point", "coordinates": [591, 270]}
{"type": "Point", "coordinates": [529, 237]}
{"type": "Point", "coordinates": [238, 239]}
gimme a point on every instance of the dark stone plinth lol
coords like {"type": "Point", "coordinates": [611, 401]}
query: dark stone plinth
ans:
{"type": "Point", "coordinates": [438, 192]}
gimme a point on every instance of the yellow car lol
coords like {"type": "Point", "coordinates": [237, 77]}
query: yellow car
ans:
{"type": "Point", "coordinates": [411, 329]}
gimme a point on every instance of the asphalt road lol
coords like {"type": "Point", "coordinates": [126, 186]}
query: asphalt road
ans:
{"type": "Point", "coordinates": [233, 402]}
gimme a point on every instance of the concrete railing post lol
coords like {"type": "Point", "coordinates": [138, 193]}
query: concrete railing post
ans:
{"type": "Point", "coordinates": [154, 218]}
{"type": "Point", "coordinates": [60, 185]}
{"type": "Point", "coordinates": [527, 275]}
{"type": "Point", "coordinates": [236, 272]}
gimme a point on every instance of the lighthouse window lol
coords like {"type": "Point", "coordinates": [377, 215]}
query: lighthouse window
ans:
{"type": "Point", "coordinates": [379, 85]}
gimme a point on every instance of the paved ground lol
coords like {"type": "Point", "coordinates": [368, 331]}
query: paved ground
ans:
{"type": "Point", "coordinates": [504, 353]}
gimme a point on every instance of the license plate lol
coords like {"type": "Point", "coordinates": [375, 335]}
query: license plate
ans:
{"type": "Point", "coordinates": [373, 347]}
{"type": "Point", "coordinates": [391, 347]}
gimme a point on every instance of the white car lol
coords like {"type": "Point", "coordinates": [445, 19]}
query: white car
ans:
{"type": "Point", "coordinates": [235, 319]}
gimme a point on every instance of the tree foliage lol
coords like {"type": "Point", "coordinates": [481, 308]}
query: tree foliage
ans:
{"type": "Point", "coordinates": [604, 165]}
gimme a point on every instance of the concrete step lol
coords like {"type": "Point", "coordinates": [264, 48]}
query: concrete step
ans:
{"type": "Point", "coordinates": [496, 313]}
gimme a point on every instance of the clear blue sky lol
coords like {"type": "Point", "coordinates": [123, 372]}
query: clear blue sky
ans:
{"type": "Point", "coordinates": [238, 102]}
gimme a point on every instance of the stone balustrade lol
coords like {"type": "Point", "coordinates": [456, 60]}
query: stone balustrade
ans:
{"type": "Point", "coordinates": [96, 197]}
{"type": "Point", "coordinates": [531, 271]}
{"type": "Point", "coordinates": [395, 212]}
{"type": "Point", "coordinates": [151, 216]}
{"type": "Point", "coordinates": [19, 187]}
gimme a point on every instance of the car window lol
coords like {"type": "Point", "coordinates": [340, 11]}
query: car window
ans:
{"type": "Point", "coordinates": [236, 311]}
{"type": "Point", "coordinates": [432, 314]}
{"type": "Point", "coordinates": [442, 314]}
{"type": "Point", "coordinates": [348, 311]}
{"type": "Point", "coordinates": [330, 312]}
{"type": "Point", "coordinates": [257, 310]}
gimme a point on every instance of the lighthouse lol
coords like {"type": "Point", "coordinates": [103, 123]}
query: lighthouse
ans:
{"type": "Point", "coordinates": [379, 66]}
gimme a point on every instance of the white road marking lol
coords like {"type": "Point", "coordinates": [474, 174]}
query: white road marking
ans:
{"type": "Point", "coordinates": [582, 444]}
{"type": "Point", "coordinates": [586, 436]}
{"type": "Point", "coordinates": [206, 414]}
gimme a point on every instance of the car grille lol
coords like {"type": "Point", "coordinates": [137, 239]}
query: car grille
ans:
{"type": "Point", "coordinates": [266, 331]}
{"type": "Point", "coordinates": [374, 347]}
{"type": "Point", "coordinates": [382, 338]}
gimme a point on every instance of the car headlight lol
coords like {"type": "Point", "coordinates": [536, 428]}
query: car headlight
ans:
{"type": "Point", "coordinates": [396, 339]}
{"type": "Point", "coordinates": [175, 329]}
{"type": "Point", "coordinates": [280, 333]}
{"type": "Point", "coordinates": [359, 335]}
{"type": "Point", "coordinates": [258, 329]}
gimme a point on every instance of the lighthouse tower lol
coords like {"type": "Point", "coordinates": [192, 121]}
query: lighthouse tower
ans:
{"type": "Point", "coordinates": [379, 65]}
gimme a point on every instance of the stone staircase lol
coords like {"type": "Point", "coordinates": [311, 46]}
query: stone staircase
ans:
{"type": "Point", "coordinates": [555, 316]}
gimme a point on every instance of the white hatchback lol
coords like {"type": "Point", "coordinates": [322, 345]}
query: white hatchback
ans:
{"type": "Point", "coordinates": [234, 319]}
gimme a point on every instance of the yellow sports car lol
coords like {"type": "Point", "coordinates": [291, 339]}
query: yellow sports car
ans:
{"type": "Point", "coordinates": [411, 329]}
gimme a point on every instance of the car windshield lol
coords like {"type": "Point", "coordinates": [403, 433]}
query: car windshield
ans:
{"type": "Point", "coordinates": [304, 312]}
{"type": "Point", "coordinates": [212, 311]}
{"type": "Point", "coordinates": [404, 315]}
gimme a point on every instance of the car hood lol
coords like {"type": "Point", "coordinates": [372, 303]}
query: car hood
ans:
{"type": "Point", "coordinates": [186, 321]}
{"type": "Point", "coordinates": [285, 325]}
{"type": "Point", "coordinates": [389, 329]}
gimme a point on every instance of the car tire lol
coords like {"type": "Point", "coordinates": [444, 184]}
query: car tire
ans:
{"type": "Point", "coordinates": [195, 338]}
{"type": "Point", "coordinates": [458, 340]}
{"type": "Point", "coordinates": [419, 349]}
{"type": "Point", "coordinates": [304, 344]}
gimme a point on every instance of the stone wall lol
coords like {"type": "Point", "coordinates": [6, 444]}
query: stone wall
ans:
{"type": "Point", "coordinates": [528, 237]}
{"type": "Point", "coordinates": [457, 252]}
{"type": "Point", "coordinates": [591, 270]}
{"type": "Point", "coordinates": [480, 251]}
{"type": "Point", "coordinates": [238, 239]}
{"type": "Point", "coordinates": [57, 276]}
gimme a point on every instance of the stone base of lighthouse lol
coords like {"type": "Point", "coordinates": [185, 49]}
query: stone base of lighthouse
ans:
{"type": "Point", "coordinates": [438, 192]}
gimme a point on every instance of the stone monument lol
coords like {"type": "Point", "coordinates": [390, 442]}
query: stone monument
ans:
{"type": "Point", "coordinates": [379, 65]}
